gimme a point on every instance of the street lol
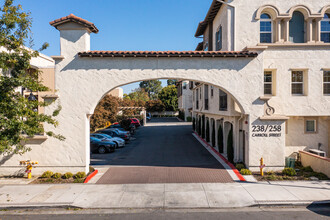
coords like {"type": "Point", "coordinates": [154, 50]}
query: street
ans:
{"type": "Point", "coordinates": [164, 151]}
{"type": "Point", "coordinates": [301, 213]}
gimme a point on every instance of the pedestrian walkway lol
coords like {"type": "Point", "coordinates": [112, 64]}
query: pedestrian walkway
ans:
{"type": "Point", "coordinates": [191, 195]}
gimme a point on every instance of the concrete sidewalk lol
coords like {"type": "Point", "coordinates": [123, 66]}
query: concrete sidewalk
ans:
{"type": "Point", "coordinates": [195, 195]}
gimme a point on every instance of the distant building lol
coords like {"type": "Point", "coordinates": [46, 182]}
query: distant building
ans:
{"type": "Point", "coordinates": [117, 92]}
{"type": "Point", "coordinates": [185, 98]}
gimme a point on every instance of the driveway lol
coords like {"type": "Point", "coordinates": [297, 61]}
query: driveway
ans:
{"type": "Point", "coordinates": [164, 151]}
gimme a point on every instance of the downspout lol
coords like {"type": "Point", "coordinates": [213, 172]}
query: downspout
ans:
{"type": "Point", "coordinates": [234, 17]}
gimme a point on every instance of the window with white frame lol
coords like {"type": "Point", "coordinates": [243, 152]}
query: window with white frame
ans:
{"type": "Point", "coordinates": [297, 83]}
{"type": "Point", "coordinates": [266, 28]}
{"type": "Point", "coordinates": [268, 81]}
{"type": "Point", "coordinates": [326, 82]}
{"type": "Point", "coordinates": [218, 39]}
{"type": "Point", "coordinates": [325, 29]}
{"type": "Point", "coordinates": [310, 126]}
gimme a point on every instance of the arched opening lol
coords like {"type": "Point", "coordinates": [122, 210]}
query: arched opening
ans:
{"type": "Point", "coordinates": [165, 143]}
{"type": "Point", "coordinates": [297, 28]}
{"type": "Point", "coordinates": [266, 28]}
{"type": "Point", "coordinates": [325, 28]}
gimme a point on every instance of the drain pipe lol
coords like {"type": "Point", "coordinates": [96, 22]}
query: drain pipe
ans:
{"type": "Point", "coordinates": [234, 22]}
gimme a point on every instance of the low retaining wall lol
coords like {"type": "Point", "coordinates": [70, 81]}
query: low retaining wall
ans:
{"type": "Point", "coordinates": [319, 164]}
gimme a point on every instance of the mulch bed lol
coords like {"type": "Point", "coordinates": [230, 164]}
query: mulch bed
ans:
{"type": "Point", "coordinates": [56, 181]}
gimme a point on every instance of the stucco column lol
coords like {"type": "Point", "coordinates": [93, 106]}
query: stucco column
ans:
{"type": "Point", "coordinates": [286, 31]}
{"type": "Point", "coordinates": [318, 30]}
{"type": "Point", "coordinates": [278, 30]}
{"type": "Point", "coordinates": [309, 30]}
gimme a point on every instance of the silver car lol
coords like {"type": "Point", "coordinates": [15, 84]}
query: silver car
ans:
{"type": "Point", "coordinates": [120, 131]}
{"type": "Point", "coordinates": [117, 140]}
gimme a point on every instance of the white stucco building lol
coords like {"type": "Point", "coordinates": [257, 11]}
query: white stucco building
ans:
{"type": "Point", "coordinates": [185, 98]}
{"type": "Point", "coordinates": [270, 58]}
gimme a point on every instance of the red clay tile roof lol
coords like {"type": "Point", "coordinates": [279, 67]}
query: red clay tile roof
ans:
{"type": "Point", "coordinates": [73, 18]}
{"type": "Point", "coordinates": [167, 54]}
{"type": "Point", "coordinates": [213, 11]}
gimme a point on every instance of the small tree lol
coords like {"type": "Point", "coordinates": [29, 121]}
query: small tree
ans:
{"type": "Point", "coordinates": [152, 87]}
{"type": "Point", "coordinates": [207, 130]}
{"type": "Point", "coordinates": [155, 106]}
{"type": "Point", "coordinates": [213, 134]}
{"type": "Point", "coordinates": [169, 97]}
{"type": "Point", "coordinates": [230, 146]}
{"type": "Point", "coordinates": [220, 139]}
{"type": "Point", "coordinates": [193, 124]}
{"type": "Point", "coordinates": [18, 115]}
{"type": "Point", "coordinates": [203, 126]}
{"type": "Point", "coordinates": [199, 126]}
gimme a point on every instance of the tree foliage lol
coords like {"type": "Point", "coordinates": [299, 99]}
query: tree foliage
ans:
{"type": "Point", "coordinates": [138, 94]}
{"type": "Point", "coordinates": [155, 106]}
{"type": "Point", "coordinates": [220, 139]}
{"type": "Point", "coordinates": [207, 130]}
{"type": "Point", "coordinates": [108, 108]}
{"type": "Point", "coordinates": [230, 146]}
{"type": "Point", "coordinates": [213, 134]}
{"type": "Point", "coordinates": [171, 82]}
{"type": "Point", "coordinates": [169, 96]}
{"type": "Point", "coordinates": [152, 87]}
{"type": "Point", "coordinates": [18, 119]}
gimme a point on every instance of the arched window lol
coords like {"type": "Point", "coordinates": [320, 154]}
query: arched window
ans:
{"type": "Point", "coordinates": [266, 29]}
{"type": "Point", "coordinates": [297, 28]}
{"type": "Point", "coordinates": [325, 29]}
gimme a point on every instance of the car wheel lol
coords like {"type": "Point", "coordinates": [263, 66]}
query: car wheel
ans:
{"type": "Point", "coordinates": [102, 150]}
{"type": "Point", "coordinates": [116, 145]}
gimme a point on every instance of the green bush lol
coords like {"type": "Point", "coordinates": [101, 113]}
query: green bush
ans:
{"type": "Point", "coordinates": [220, 139]}
{"type": "Point", "coordinates": [240, 166]}
{"type": "Point", "coordinates": [289, 172]}
{"type": "Point", "coordinates": [230, 146]}
{"type": "Point", "coordinates": [47, 174]}
{"type": "Point", "coordinates": [80, 175]}
{"type": "Point", "coordinates": [270, 172]}
{"type": "Point", "coordinates": [213, 134]}
{"type": "Point", "coordinates": [321, 176]}
{"type": "Point", "coordinates": [203, 126]}
{"type": "Point", "coordinates": [81, 180]}
{"type": "Point", "coordinates": [67, 175]}
{"type": "Point", "coordinates": [208, 131]}
{"type": "Point", "coordinates": [307, 169]}
{"type": "Point", "coordinates": [189, 119]}
{"type": "Point", "coordinates": [194, 124]}
{"type": "Point", "coordinates": [245, 172]}
{"type": "Point", "coordinates": [91, 169]}
{"type": "Point", "coordinates": [56, 176]}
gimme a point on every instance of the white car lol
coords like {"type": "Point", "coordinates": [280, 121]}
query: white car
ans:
{"type": "Point", "coordinates": [104, 137]}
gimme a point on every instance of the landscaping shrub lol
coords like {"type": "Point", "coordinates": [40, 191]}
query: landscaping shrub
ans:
{"type": "Point", "coordinates": [220, 139]}
{"type": "Point", "coordinates": [80, 175]}
{"type": "Point", "coordinates": [194, 124]}
{"type": "Point", "coordinates": [240, 166]}
{"type": "Point", "coordinates": [200, 127]}
{"type": "Point", "coordinates": [307, 169]}
{"type": "Point", "coordinates": [270, 172]}
{"type": "Point", "coordinates": [230, 146]}
{"type": "Point", "coordinates": [189, 119]}
{"type": "Point", "coordinates": [321, 176]}
{"type": "Point", "coordinates": [47, 174]}
{"type": "Point", "coordinates": [56, 176]}
{"type": "Point", "coordinates": [289, 172]}
{"type": "Point", "coordinates": [213, 134]}
{"type": "Point", "coordinates": [81, 180]}
{"type": "Point", "coordinates": [245, 172]}
{"type": "Point", "coordinates": [208, 131]}
{"type": "Point", "coordinates": [67, 175]}
{"type": "Point", "coordinates": [91, 169]}
{"type": "Point", "coordinates": [203, 126]}
{"type": "Point", "coordinates": [181, 115]}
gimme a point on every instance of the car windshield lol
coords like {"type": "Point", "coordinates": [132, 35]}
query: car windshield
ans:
{"type": "Point", "coordinates": [106, 136]}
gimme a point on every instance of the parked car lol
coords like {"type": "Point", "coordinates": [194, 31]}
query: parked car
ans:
{"type": "Point", "coordinates": [135, 122]}
{"type": "Point", "coordinates": [101, 146]}
{"type": "Point", "coordinates": [118, 126]}
{"type": "Point", "coordinates": [120, 131]}
{"type": "Point", "coordinates": [114, 133]}
{"type": "Point", "coordinates": [148, 116]}
{"type": "Point", "coordinates": [104, 137]}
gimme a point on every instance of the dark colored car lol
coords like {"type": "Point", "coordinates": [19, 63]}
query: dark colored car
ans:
{"type": "Point", "coordinates": [101, 146]}
{"type": "Point", "coordinates": [114, 133]}
{"type": "Point", "coordinates": [117, 126]}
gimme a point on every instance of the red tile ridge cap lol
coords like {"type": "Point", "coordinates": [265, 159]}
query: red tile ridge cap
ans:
{"type": "Point", "coordinates": [74, 18]}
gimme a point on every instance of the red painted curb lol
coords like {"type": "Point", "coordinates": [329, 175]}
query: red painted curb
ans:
{"type": "Point", "coordinates": [240, 177]}
{"type": "Point", "coordinates": [90, 176]}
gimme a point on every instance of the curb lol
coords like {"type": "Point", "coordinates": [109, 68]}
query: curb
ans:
{"type": "Point", "coordinates": [240, 177]}
{"type": "Point", "coordinates": [90, 176]}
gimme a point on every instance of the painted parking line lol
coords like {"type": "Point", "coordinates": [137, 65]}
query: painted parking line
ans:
{"type": "Point", "coordinates": [233, 172]}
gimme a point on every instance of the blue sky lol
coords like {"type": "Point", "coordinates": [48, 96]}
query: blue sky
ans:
{"type": "Point", "coordinates": [123, 24]}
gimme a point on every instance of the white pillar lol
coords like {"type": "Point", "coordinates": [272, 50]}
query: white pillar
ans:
{"type": "Point", "coordinates": [318, 30]}
{"type": "Point", "coordinates": [278, 30]}
{"type": "Point", "coordinates": [309, 30]}
{"type": "Point", "coordinates": [286, 30]}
